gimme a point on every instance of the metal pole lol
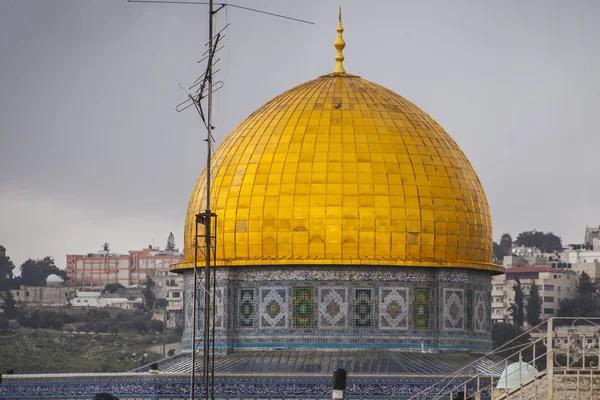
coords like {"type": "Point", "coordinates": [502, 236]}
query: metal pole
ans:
{"type": "Point", "coordinates": [195, 307]}
{"type": "Point", "coordinates": [163, 332]}
{"type": "Point", "coordinates": [550, 358]}
{"type": "Point", "coordinates": [207, 226]}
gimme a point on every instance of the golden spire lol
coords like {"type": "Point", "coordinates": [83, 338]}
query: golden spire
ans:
{"type": "Point", "coordinates": [339, 45]}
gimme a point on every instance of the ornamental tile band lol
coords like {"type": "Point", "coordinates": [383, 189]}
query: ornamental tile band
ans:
{"type": "Point", "coordinates": [421, 309]}
{"type": "Point", "coordinates": [454, 309]}
{"type": "Point", "coordinates": [303, 307]}
{"type": "Point", "coordinates": [219, 308]}
{"type": "Point", "coordinates": [273, 307]}
{"type": "Point", "coordinates": [363, 308]}
{"type": "Point", "coordinates": [469, 309]}
{"type": "Point", "coordinates": [333, 307]}
{"type": "Point", "coordinates": [393, 308]}
{"type": "Point", "coordinates": [246, 309]}
{"type": "Point", "coordinates": [321, 307]}
{"type": "Point", "coordinates": [480, 312]}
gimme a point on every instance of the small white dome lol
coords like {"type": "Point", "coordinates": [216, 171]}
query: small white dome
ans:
{"type": "Point", "coordinates": [53, 278]}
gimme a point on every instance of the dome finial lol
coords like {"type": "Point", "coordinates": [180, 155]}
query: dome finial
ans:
{"type": "Point", "coordinates": [339, 45]}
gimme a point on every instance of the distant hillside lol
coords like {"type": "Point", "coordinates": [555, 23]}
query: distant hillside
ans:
{"type": "Point", "coordinates": [43, 351]}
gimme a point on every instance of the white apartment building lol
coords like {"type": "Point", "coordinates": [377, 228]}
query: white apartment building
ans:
{"type": "Point", "coordinates": [93, 271]}
{"type": "Point", "coordinates": [554, 285]}
{"type": "Point", "coordinates": [566, 336]}
{"type": "Point", "coordinates": [583, 260]}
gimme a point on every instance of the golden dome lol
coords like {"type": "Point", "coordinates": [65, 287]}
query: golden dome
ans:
{"type": "Point", "coordinates": [342, 171]}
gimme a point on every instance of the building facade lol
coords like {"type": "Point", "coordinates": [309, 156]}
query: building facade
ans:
{"type": "Point", "coordinates": [44, 296]}
{"type": "Point", "coordinates": [553, 284]}
{"type": "Point", "coordinates": [592, 233]}
{"type": "Point", "coordinates": [93, 271]}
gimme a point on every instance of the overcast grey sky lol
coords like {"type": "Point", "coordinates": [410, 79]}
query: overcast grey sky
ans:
{"type": "Point", "coordinates": [92, 150]}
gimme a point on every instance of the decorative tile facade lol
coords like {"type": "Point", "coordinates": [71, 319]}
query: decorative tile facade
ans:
{"type": "Point", "coordinates": [220, 308]}
{"type": "Point", "coordinates": [273, 307]}
{"type": "Point", "coordinates": [421, 309]}
{"type": "Point", "coordinates": [454, 310]}
{"type": "Point", "coordinates": [469, 310]}
{"type": "Point", "coordinates": [333, 307]}
{"type": "Point", "coordinates": [246, 307]}
{"type": "Point", "coordinates": [303, 306]}
{"type": "Point", "coordinates": [480, 312]}
{"type": "Point", "coordinates": [362, 313]}
{"type": "Point", "coordinates": [361, 307]}
{"type": "Point", "coordinates": [393, 308]}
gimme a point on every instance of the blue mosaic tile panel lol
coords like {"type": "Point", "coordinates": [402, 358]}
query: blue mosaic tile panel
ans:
{"type": "Point", "coordinates": [421, 309]}
{"type": "Point", "coordinates": [480, 312]}
{"type": "Point", "coordinates": [303, 307]}
{"type": "Point", "coordinates": [469, 310]}
{"type": "Point", "coordinates": [393, 308]}
{"type": "Point", "coordinates": [246, 312]}
{"type": "Point", "coordinates": [273, 307]}
{"type": "Point", "coordinates": [220, 316]}
{"type": "Point", "coordinates": [453, 316]}
{"type": "Point", "coordinates": [362, 313]}
{"type": "Point", "coordinates": [333, 307]}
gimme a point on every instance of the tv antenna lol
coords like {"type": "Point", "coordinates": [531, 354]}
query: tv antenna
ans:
{"type": "Point", "coordinates": [202, 89]}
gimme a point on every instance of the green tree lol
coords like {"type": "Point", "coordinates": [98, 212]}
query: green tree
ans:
{"type": "Point", "coordinates": [10, 306]}
{"type": "Point", "coordinates": [534, 306]}
{"type": "Point", "coordinates": [584, 304]}
{"type": "Point", "coordinates": [506, 243]}
{"type": "Point", "coordinates": [140, 324]}
{"type": "Point", "coordinates": [547, 242]}
{"type": "Point", "coordinates": [170, 242]}
{"type": "Point", "coordinates": [35, 272]}
{"type": "Point", "coordinates": [113, 287]}
{"type": "Point", "coordinates": [156, 326]}
{"type": "Point", "coordinates": [161, 303]}
{"type": "Point", "coordinates": [6, 270]}
{"type": "Point", "coordinates": [586, 299]}
{"type": "Point", "coordinates": [498, 254]}
{"type": "Point", "coordinates": [148, 292]}
{"type": "Point", "coordinates": [516, 308]}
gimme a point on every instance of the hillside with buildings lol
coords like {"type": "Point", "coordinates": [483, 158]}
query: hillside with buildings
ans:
{"type": "Point", "coordinates": [556, 274]}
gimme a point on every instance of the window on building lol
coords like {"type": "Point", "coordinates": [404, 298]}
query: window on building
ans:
{"type": "Point", "coordinates": [548, 299]}
{"type": "Point", "coordinates": [17, 293]}
{"type": "Point", "coordinates": [558, 288]}
{"type": "Point", "coordinates": [549, 311]}
{"type": "Point", "coordinates": [565, 341]}
{"type": "Point", "coordinates": [26, 294]}
{"type": "Point", "coordinates": [550, 288]}
{"type": "Point", "coordinates": [555, 276]}
{"type": "Point", "coordinates": [175, 294]}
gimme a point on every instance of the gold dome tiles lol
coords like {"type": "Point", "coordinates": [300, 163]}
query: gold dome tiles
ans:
{"type": "Point", "coordinates": [342, 171]}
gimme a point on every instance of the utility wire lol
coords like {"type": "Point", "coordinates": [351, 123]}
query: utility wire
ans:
{"type": "Point", "coordinates": [224, 5]}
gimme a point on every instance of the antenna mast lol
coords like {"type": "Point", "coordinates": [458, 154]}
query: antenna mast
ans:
{"type": "Point", "coordinates": [205, 86]}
